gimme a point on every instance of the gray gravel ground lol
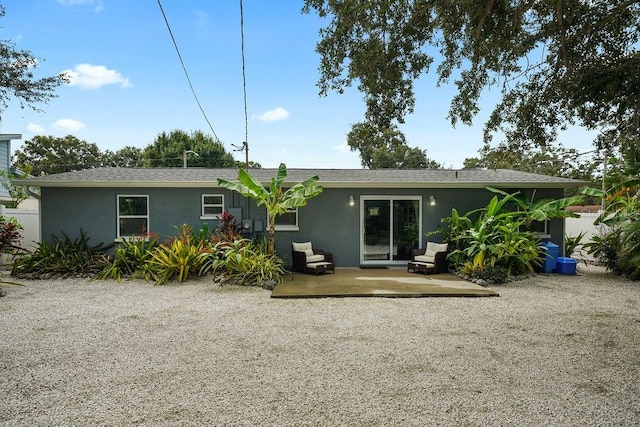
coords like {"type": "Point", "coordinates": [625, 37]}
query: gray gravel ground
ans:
{"type": "Point", "coordinates": [552, 350]}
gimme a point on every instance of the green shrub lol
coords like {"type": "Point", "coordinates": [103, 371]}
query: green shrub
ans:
{"type": "Point", "coordinates": [571, 244]}
{"type": "Point", "coordinates": [493, 239]}
{"type": "Point", "coordinates": [177, 259]}
{"type": "Point", "coordinates": [131, 259]}
{"type": "Point", "coordinates": [10, 235]}
{"type": "Point", "coordinates": [618, 247]}
{"type": "Point", "coordinates": [246, 263]}
{"type": "Point", "coordinates": [64, 258]}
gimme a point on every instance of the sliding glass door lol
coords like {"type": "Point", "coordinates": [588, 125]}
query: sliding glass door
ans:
{"type": "Point", "coordinates": [390, 228]}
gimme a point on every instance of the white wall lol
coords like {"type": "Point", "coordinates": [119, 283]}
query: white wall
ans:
{"type": "Point", "coordinates": [575, 226]}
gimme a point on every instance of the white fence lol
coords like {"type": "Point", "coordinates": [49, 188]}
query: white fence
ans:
{"type": "Point", "coordinates": [30, 221]}
{"type": "Point", "coordinates": [584, 224]}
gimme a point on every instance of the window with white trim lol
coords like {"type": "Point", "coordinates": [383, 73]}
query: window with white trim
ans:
{"type": "Point", "coordinates": [212, 206]}
{"type": "Point", "coordinates": [287, 221]}
{"type": "Point", "coordinates": [133, 215]}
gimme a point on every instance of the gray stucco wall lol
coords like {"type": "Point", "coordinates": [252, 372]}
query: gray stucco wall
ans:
{"type": "Point", "coordinates": [94, 210]}
{"type": "Point", "coordinates": [328, 221]}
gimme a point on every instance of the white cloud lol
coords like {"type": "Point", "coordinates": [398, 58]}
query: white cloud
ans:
{"type": "Point", "coordinates": [69, 3]}
{"type": "Point", "coordinates": [274, 115]}
{"type": "Point", "coordinates": [89, 76]}
{"type": "Point", "coordinates": [68, 125]}
{"type": "Point", "coordinates": [342, 148]}
{"type": "Point", "coordinates": [35, 128]}
{"type": "Point", "coordinates": [202, 19]}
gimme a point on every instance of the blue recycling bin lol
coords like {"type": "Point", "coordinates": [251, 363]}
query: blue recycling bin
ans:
{"type": "Point", "coordinates": [566, 265]}
{"type": "Point", "coordinates": [551, 252]}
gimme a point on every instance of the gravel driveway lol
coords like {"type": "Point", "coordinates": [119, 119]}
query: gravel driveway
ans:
{"type": "Point", "coordinates": [551, 350]}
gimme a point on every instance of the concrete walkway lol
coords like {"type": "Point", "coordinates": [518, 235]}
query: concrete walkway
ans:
{"type": "Point", "coordinates": [392, 282]}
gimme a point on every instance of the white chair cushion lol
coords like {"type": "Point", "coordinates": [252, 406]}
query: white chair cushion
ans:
{"type": "Point", "coordinates": [302, 247]}
{"type": "Point", "coordinates": [425, 258]}
{"type": "Point", "coordinates": [433, 248]}
{"type": "Point", "coordinates": [315, 258]}
{"type": "Point", "coordinates": [315, 265]}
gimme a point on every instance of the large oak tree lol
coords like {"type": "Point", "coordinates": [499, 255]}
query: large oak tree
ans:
{"type": "Point", "coordinates": [556, 62]}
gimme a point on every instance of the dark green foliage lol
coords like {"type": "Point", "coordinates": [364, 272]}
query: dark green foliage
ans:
{"type": "Point", "coordinates": [64, 258]}
{"type": "Point", "coordinates": [18, 80]}
{"type": "Point", "coordinates": [556, 62]}
{"type": "Point", "coordinates": [48, 155]}
{"type": "Point", "coordinates": [493, 241]}
{"type": "Point", "coordinates": [245, 263]}
{"type": "Point", "coordinates": [386, 148]}
{"type": "Point", "coordinates": [168, 150]}
{"type": "Point", "coordinates": [618, 246]}
{"type": "Point", "coordinates": [131, 259]}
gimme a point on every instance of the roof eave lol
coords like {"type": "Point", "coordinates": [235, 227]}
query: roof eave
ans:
{"type": "Point", "coordinates": [332, 184]}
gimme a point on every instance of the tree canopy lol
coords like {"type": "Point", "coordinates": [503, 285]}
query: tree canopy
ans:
{"type": "Point", "coordinates": [556, 62]}
{"type": "Point", "coordinates": [386, 148]}
{"type": "Point", "coordinates": [168, 150]}
{"type": "Point", "coordinates": [550, 160]}
{"type": "Point", "coordinates": [45, 155]}
{"type": "Point", "coordinates": [17, 79]}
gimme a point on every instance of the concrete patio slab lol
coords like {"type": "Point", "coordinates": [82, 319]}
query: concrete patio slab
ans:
{"type": "Point", "coordinates": [392, 282]}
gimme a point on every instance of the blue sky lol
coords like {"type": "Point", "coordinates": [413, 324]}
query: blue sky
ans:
{"type": "Point", "coordinates": [128, 84]}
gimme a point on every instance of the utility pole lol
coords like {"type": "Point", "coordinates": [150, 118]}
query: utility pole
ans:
{"type": "Point", "coordinates": [184, 157]}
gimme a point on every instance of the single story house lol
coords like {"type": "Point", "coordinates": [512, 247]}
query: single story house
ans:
{"type": "Point", "coordinates": [363, 216]}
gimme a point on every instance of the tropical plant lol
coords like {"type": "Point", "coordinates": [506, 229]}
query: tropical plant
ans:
{"type": "Point", "coordinates": [485, 242]}
{"type": "Point", "coordinates": [275, 198]}
{"type": "Point", "coordinates": [10, 235]}
{"type": "Point", "coordinates": [245, 263]}
{"type": "Point", "coordinates": [180, 257]}
{"type": "Point", "coordinates": [571, 244]}
{"type": "Point", "coordinates": [66, 257]}
{"type": "Point", "coordinates": [131, 259]}
{"type": "Point", "coordinates": [228, 229]}
{"type": "Point", "coordinates": [618, 247]}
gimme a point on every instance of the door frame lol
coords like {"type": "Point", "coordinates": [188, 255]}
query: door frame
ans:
{"type": "Point", "coordinates": [391, 199]}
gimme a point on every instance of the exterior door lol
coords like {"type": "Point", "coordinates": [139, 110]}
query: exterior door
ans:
{"type": "Point", "coordinates": [390, 228]}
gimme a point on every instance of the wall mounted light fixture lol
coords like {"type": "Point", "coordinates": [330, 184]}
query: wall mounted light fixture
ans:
{"type": "Point", "coordinates": [432, 201]}
{"type": "Point", "coordinates": [352, 201]}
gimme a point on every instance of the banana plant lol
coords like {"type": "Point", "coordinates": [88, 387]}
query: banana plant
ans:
{"type": "Point", "coordinates": [274, 198]}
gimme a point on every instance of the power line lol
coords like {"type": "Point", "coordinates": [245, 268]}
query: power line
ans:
{"type": "Point", "coordinates": [244, 88]}
{"type": "Point", "coordinates": [184, 68]}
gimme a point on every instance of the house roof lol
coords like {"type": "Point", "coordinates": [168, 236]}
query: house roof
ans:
{"type": "Point", "coordinates": [329, 178]}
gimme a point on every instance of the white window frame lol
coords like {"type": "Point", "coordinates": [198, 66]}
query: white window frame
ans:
{"type": "Point", "coordinates": [203, 205]}
{"type": "Point", "coordinates": [119, 217]}
{"type": "Point", "coordinates": [288, 227]}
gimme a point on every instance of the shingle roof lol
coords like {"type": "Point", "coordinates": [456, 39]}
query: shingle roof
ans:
{"type": "Point", "coordinates": [329, 178]}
